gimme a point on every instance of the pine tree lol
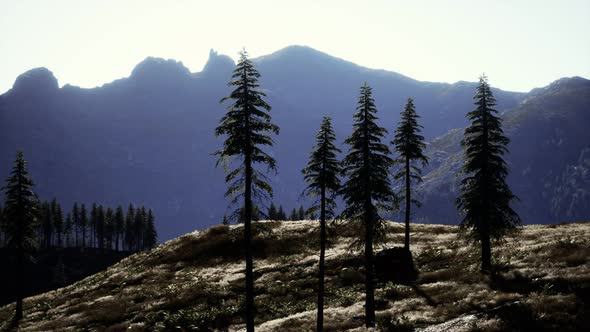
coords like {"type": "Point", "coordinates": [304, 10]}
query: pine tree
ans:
{"type": "Point", "coordinates": [409, 145]}
{"type": "Point", "coordinates": [92, 225]}
{"type": "Point", "coordinates": [301, 213]}
{"type": "Point", "coordinates": [246, 127]}
{"type": "Point", "coordinates": [119, 226]}
{"type": "Point", "coordinates": [321, 176]}
{"type": "Point", "coordinates": [368, 188]}
{"type": "Point", "coordinates": [83, 223]}
{"type": "Point", "coordinates": [150, 233]}
{"type": "Point", "coordinates": [21, 212]}
{"type": "Point", "coordinates": [129, 235]}
{"type": "Point", "coordinates": [281, 214]}
{"type": "Point", "coordinates": [272, 212]}
{"type": "Point", "coordinates": [109, 228]}
{"type": "Point", "coordinates": [68, 226]}
{"type": "Point", "coordinates": [58, 221]}
{"type": "Point", "coordinates": [76, 222]}
{"type": "Point", "coordinates": [225, 221]}
{"type": "Point", "coordinates": [485, 197]}
{"type": "Point", "coordinates": [47, 220]}
{"type": "Point", "coordinates": [100, 224]}
{"type": "Point", "coordinates": [138, 227]}
{"type": "Point", "coordinates": [293, 216]}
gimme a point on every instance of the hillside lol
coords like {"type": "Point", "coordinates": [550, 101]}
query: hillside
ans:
{"type": "Point", "coordinates": [549, 158]}
{"type": "Point", "coordinates": [196, 281]}
{"type": "Point", "coordinates": [155, 129]}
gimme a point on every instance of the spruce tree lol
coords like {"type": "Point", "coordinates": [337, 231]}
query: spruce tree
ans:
{"type": "Point", "coordinates": [272, 212]}
{"type": "Point", "coordinates": [129, 234]}
{"type": "Point", "coordinates": [109, 228]}
{"type": "Point", "coordinates": [293, 216]}
{"type": "Point", "coordinates": [485, 196]}
{"type": "Point", "coordinates": [100, 224]}
{"type": "Point", "coordinates": [367, 189]}
{"type": "Point", "coordinates": [246, 127]}
{"type": "Point", "coordinates": [409, 145]}
{"type": "Point", "coordinates": [150, 233]}
{"type": "Point", "coordinates": [301, 213]}
{"type": "Point", "coordinates": [92, 225]}
{"type": "Point", "coordinates": [58, 221]}
{"type": "Point", "coordinates": [68, 226]}
{"type": "Point", "coordinates": [21, 212]}
{"type": "Point", "coordinates": [83, 223]}
{"type": "Point", "coordinates": [119, 226]}
{"type": "Point", "coordinates": [76, 222]}
{"type": "Point", "coordinates": [281, 214]}
{"type": "Point", "coordinates": [47, 221]}
{"type": "Point", "coordinates": [225, 221]}
{"type": "Point", "coordinates": [321, 176]}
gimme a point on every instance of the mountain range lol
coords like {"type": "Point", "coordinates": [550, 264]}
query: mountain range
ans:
{"type": "Point", "coordinates": [147, 139]}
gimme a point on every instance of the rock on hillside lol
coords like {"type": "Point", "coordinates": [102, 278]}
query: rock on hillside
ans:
{"type": "Point", "coordinates": [196, 282]}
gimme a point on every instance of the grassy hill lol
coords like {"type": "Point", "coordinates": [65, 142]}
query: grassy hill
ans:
{"type": "Point", "coordinates": [195, 282]}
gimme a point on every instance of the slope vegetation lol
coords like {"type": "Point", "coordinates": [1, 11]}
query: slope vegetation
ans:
{"type": "Point", "coordinates": [195, 282]}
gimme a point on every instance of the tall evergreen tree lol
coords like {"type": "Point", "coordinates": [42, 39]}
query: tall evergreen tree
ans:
{"type": "Point", "coordinates": [92, 225]}
{"type": "Point", "coordinates": [368, 188]}
{"type": "Point", "coordinates": [281, 214]}
{"type": "Point", "coordinates": [21, 206]}
{"type": "Point", "coordinates": [409, 145]}
{"type": "Point", "coordinates": [150, 233]}
{"type": "Point", "coordinates": [293, 216]}
{"type": "Point", "coordinates": [301, 213]}
{"type": "Point", "coordinates": [100, 225]}
{"type": "Point", "coordinates": [47, 220]}
{"type": "Point", "coordinates": [119, 226]}
{"type": "Point", "coordinates": [76, 223]}
{"type": "Point", "coordinates": [246, 127]}
{"type": "Point", "coordinates": [138, 227]}
{"type": "Point", "coordinates": [225, 220]}
{"type": "Point", "coordinates": [485, 197]}
{"type": "Point", "coordinates": [273, 214]}
{"type": "Point", "coordinates": [68, 226]}
{"type": "Point", "coordinates": [58, 221]}
{"type": "Point", "coordinates": [109, 228]}
{"type": "Point", "coordinates": [83, 223]}
{"type": "Point", "coordinates": [129, 234]}
{"type": "Point", "coordinates": [321, 176]}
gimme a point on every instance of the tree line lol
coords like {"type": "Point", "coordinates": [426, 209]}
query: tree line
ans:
{"type": "Point", "coordinates": [26, 224]}
{"type": "Point", "coordinates": [364, 177]}
{"type": "Point", "coordinates": [102, 227]}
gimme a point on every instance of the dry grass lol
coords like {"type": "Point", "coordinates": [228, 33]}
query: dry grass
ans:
{"type": "Point", "coordinates": [196, 282]}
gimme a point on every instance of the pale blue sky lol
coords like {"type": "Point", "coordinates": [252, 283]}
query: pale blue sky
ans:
{"type": "Point", "coordinates": [518, 44]}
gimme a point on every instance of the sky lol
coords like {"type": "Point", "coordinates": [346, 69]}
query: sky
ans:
{"type": "Point", "coordinates": [519, 44]}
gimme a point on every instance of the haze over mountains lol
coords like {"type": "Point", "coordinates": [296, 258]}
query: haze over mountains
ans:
{"type": "Point", "coordinates": [148, 138]}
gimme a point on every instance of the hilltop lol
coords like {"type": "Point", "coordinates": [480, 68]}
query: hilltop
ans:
{"type": "Point", "coordinates": [196, 282]}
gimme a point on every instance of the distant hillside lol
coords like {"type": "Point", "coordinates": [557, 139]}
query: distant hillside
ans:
{"type": "Point", "coordinates": [549, 158]}
{"type": "Point", "coordinates": [195, 282]}
{"type": "Point", "coordinates": [148, 138]}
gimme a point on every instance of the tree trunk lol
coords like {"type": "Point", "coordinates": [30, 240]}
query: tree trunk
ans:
{"type": "Point", "coordinates": [248, 222]}
{"type": "Point", "coordinates": [320, 320]}
{"type": "Point", "coordinates": [408, 203]}
{"type": "Point", "coordinates": [486, 251]}
{"type": "Point", "coordinates": [18, 314]}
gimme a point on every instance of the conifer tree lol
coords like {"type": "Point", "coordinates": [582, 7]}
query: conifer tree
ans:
{"type": "Point", "coordinates": [368, 188]}
{"type": "Point", "coordinates": [100, 224]}
{"type": "Point", "coordinates": [293, 216]}
{"type": "Point", "coordinates": [281, 214]}
{"type": "Point", "coordinates": [246, 127]}
{"type": "Point", "coordinates": [150, 233]}
{"type": "Point", "coordinates": [58, 221]}
{"type": "Point", "coordinates": [225, 221]}
{"type": "Point", "coordinates": [68, 226]}
{"type": "Point", "coordinates": [47, 220]}
{"type": "Point", "coordinates": [129, 235]}
{"type": "Point", "coordinates": [83, 223]}
{"type": "Point", "coordinates": [321, 176]}
{"type": "Point", "coordinates": [93, 222]}
{"type": "Point", "coordinates": [485, 196]}
{"type": "Point", "coordinates": [76, 223]}
{"type": "Point", "coordinates": [409, 145]}
{"type": "Point", "coordinates": [109, 228]}
{"type": "Point", "coordinates": [301, 213]}
{"type": "Point", "coordinates": [119, 226]}
{"type": "Point", "coordinates": [272, 212]}
{"type": "Point", "coordinates": [21, 212]}
{"type": "Point", "coordinates": [138, 227]}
